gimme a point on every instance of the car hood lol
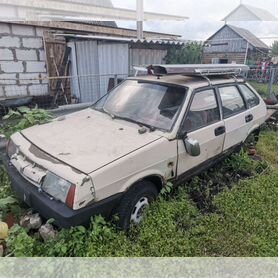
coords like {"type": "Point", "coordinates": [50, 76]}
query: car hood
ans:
{"type": "Point", "coordinates": [88, 140]}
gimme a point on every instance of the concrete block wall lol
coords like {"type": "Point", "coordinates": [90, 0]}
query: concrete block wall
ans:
{"type": "Point", "coordinates": [22, 61]}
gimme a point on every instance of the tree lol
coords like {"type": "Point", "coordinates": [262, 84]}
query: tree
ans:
{"type": "Point", "coordinates": [274, 50]}
{"type": "Point", "coordinates": [190, 53]}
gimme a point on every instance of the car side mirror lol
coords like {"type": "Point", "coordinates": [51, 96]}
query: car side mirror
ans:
{"type": "Point", "coordinates": [192, 147]}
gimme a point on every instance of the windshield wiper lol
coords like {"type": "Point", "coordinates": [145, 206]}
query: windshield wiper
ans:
{"type": "Point", "coordinates": [113, 116]}
{"type": "Point", "coordinates": [151, 128]}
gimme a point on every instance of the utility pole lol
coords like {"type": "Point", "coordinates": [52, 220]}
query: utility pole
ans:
{"type": "Point", "coordinates": [140, 18]}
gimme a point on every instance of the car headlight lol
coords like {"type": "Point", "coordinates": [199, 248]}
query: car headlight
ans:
{"type": "Point", "coordinates": [59, 188]}
{"type": "Point", "coordinates": [11, 148]}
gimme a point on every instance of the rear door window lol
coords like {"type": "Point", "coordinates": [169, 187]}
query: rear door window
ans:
{"type": "Point", "coordinates": [203, 111]}
{"type": "Point", "coordinates": [232, 101]}
{"type": "Point", "coordinates": [250, 97]}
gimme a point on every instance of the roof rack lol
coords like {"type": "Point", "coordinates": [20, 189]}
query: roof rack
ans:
{"type": "Point", "coordinates": [199, 69]}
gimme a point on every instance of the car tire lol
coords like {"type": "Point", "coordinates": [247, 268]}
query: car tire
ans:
{"type": "Point", "coordinates": [134, 202]}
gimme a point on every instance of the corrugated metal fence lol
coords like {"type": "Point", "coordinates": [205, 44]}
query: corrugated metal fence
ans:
{"type": "Point", "coordinates": [96, 57]}
{"type": "Point", "coordinates": [100, 61]}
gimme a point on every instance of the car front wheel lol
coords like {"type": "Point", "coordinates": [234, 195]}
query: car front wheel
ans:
{"type": "Point", "coordinates": [134, 204]}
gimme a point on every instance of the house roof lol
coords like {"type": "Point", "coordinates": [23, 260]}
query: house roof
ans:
{"type": "Point", "coordinates": [248, 36]}
{"type": "Point", "coordinates": [245, 34]}
{"type": "Point", "coordinates": [249, 13]}
{"type": "Point", "coordinates": [153, 41]}
{"type": "Point", "coordinates": [83, 28]}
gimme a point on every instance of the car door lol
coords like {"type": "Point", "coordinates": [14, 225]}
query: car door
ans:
{"type": "Point", "coordinates": [256, 109]}
{"type": "Point", "coordinates": [203, 123]}
{"type": "Point", "coordinates": [235, 115]}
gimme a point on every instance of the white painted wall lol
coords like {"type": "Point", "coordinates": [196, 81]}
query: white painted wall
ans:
{"type": "Point", "coordinates": [22, 61]}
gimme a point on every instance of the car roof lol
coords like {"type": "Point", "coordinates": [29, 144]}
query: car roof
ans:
{"type": "Point", "coordinates": [193, 82]}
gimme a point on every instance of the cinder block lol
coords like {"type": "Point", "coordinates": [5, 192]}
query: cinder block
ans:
{"type": "Point", "coordinates": [35, 67]}
{"type": "Point", "coordinates": [6, 55]}
{"type": "Point", "coordinates": [15, 90]}
{"type": "Point", "coordinates": [44, 79]}
{"type": "Point", "coordinates": [8, 67]}
{"type": "Point", "coordinates": [42, 55]}
{"type": "Point", "coordinates": [32, 42]}
{"type": "Point", "coordinates": [8, 78]}
{"type": "Point", "coordinates": [23, 30]}
{"type": "Point", "coordinates": [26, 55]}
{"type": "Point", "coordinates": [4, 28]}
{"type": "Point", "coordinates": [38, 90]}
{"type": "Point", "coordinates": [8, 41]}
{"type": "Point", "coordinates": [29, 78]}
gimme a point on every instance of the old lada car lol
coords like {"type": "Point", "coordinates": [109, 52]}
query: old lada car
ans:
{"type": "Point", "coordinates": [116, 156]}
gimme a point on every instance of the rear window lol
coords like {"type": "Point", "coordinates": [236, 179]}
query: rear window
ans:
{"type": "Point", "coordinates": [232, 101]}
{"type": "Point", "coordinates": [250, 97]}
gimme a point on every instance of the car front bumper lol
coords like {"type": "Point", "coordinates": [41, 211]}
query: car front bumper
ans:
{"type": "Point", "coordinates": [48, 208]}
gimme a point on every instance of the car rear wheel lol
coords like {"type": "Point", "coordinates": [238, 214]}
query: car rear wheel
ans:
{"type": "Point", "coordinates": [134, 204]}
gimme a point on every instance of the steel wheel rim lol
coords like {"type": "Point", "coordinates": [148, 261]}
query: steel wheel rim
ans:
{"type": "Point", "coordinates": [138, 210]}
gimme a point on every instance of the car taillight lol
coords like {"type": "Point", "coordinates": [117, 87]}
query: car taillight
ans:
{"type": "Point", "coordinates": [70, 196]}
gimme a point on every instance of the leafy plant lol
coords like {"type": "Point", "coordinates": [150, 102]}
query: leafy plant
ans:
{"type": "Point", "coordinates": [5, 205]}
{"type": "Point", "coordinates": [191, 53]}
{"type": "Point", "coordinates": [19, 243]}
{"type": "Point", "coordinates": [24, 117]}
{"type": "Point", "coordinates": [166, 190]}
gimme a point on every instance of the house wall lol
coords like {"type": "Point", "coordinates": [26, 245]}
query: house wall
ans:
{"type": "Point", "coordinates": [226, 40]}
{"type": "Point", "coordinates": [22, 58]}
{"type": "Point", "coordinates": [231, 57]}
{"type": "Point", "coordinates": [226, 44]}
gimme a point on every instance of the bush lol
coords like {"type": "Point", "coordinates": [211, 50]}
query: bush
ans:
{"type": "Point", "coordinates": [22, 118]}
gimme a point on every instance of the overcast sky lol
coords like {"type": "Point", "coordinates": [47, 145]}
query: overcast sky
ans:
{"type": "Point", "coordinates": [205, 17]}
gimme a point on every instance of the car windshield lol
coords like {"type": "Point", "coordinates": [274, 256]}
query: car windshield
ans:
{"type": "Point", "coordinates": [152, 104]}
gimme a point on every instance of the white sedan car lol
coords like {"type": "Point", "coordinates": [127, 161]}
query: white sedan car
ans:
{"type": "Point", "coordinates": [116, 156]}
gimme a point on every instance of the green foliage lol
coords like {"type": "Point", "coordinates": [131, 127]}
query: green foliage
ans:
{"type": "Point", "coordinates": [22, 118]}
{"type": "Point", "coordinates": [5, 189]}
{"type": "Point", "coordinates": [274, 49]}
{"type": "Point", "coordinates": [203, 188]}
{"type": "Point", "coordinates": [262, 88]}
{"type": "Point", "coordinates": [245, 221]}
{"type": "Point", "coordinates": [7, 201]}
{"type": "Point", "coordinates": [166, 190]}
{"type": "Point", "coordinates": [19, 243]}
{"type": "Point", "coordinates": [268, 146]}
{"type": "Point", "coordinates": [190, 53]}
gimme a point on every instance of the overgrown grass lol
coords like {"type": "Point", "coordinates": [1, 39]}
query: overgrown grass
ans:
{"type": "Point", "coordinates": [267, 146]}
{"type": "Point", "coordinates": [262, 88]}
{"type": "Point", "coordinates": [243, 218]}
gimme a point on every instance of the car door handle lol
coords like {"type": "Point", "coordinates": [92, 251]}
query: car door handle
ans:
{"type": "Point", "coordinates": [220, 130]}
{"type": "Point", "coordinates": [249, 118]}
